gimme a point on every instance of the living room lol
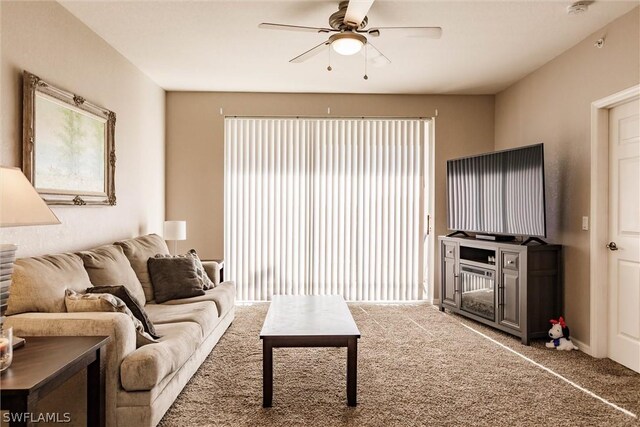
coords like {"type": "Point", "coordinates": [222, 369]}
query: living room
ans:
{"type": "Point", "coordinates": [499, 75]}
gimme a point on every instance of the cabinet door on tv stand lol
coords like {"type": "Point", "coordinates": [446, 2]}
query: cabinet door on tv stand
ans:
{"type": "Point", "coordinates": [449, 274]}
{"type": "Point", "coordinates": [509, 313]}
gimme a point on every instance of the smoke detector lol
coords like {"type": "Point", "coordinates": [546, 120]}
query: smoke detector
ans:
{"type": "Point", "coordinates": [578, 7]}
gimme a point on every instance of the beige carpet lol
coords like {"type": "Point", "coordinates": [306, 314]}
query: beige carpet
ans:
{"type": "Point", "coordinates": [416, 366]}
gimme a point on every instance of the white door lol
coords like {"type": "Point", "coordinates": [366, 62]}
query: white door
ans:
{"type": "Point", "coordinates": [624, 234]}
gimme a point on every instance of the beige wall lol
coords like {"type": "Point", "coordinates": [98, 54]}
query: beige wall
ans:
{"type": "Point", "coordinates": [195, 144]}
{"type": "Point", "coordinates": [552, 105]}
{"type": "Point", "coordinates": [48, 41]}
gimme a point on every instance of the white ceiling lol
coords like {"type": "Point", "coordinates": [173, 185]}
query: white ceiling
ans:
{"type": "Point", "coordinates": [217, 46]}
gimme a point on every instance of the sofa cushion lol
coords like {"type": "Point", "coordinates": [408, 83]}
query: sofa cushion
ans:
{"type": "Point", "coordinates": [105, 303]}
{"type": "Point", "coordinates": [224, 295]}
{"type": "Point", "coordinates": [138, 251]}
{"type": "Point", "coordinates": [107, 266]}
{"type": "Point", "coordinates": [204, 314]}
{"type": "Point", "coordinates": [136, 308]}
{"type": "Point", "coordinates": [39, 283]}
{"type": "Point", "coordinates": [174, 277]}
{"type": "Point", "coordinates": [145, 367]}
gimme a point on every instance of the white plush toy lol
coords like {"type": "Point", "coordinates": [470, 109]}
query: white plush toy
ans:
{"type": "Point", "coordinates": [559, 334]}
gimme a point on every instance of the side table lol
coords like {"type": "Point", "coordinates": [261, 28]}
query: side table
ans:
{"type": "Point", "coordinates": [221, 264]}
{"type": "Point", "coordinates": [43, 364]}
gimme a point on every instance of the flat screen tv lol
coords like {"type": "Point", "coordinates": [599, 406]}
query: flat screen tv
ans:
{"type": "Point", "coordinates": [499, 194]}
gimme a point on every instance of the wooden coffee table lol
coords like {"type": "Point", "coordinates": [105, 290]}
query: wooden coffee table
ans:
{"type": "Point", "coordinates": [309, 321]}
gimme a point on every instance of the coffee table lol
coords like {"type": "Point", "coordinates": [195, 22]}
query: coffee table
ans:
{"type": "Point", "coordinates": [309, 321]}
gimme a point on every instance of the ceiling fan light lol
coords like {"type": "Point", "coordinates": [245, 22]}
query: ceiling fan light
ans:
{"type": "Point", "coordinates": [347, 43]}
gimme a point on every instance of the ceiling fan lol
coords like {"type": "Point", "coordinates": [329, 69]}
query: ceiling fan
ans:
{"type": "Point", "coordinates": [349, 33]}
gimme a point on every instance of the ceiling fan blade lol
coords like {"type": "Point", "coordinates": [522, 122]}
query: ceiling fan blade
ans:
{"type": "Point", "coordinates": [377, 58]}
{"type": "Point", "coordinates": [310, 53]}
{"type": "Point", "coordinates": [427, 32]}
{"type": "Point", "coordinates": [356, 11]}
{"type": "Point", "coordinates": [286, 27]}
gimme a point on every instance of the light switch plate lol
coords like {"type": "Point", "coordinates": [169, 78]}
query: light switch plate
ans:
{"type": "Point", "coordinates": [585, 223]}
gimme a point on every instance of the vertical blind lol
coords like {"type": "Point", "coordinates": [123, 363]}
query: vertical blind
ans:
{"type": "Point", "coordinates": [324, 206]}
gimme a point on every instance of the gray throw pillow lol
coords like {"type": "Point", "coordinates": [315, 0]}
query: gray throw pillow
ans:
{"type": "Point", "coordinates": [200, 271]}
{"type": "Point", "coordinates": [174, 278]}
{"type": "Point", "coordinates": [82, 303]}
{"type": "Point", "coordinates": [202, 274]}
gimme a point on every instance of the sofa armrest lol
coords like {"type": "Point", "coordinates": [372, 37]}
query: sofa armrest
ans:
{"type": "Point", "coordinates": [212, 268]}
{"type": "Point", "coordinates": [118, 326]}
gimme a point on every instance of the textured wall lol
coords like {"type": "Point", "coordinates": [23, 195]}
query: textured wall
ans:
{"type": "Point", "coordinates": [553, 105]}
{"type": "Point", "coordinates": [195, 144]}
{"type": "Point", "coordinates": [45, 39]}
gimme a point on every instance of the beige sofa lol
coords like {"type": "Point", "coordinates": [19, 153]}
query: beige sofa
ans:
{"type": "Point", "coordinates": [141, 383]}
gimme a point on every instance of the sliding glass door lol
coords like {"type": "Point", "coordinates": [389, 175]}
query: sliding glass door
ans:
{"type": "Point", "coordinates": [325, 206]}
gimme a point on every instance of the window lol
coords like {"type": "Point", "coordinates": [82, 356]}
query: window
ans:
{"type": "Point", "coordinates": [325, 206]}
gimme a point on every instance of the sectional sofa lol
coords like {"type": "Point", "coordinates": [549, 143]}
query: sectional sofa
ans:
{"type": "Point", "coordinates": [141, 383]}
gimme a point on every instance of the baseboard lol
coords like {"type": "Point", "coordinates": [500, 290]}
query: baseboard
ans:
{"type": "Point", "coordinates": [436, 301]}
{"type": "Point", "coordinates": [582, 346]}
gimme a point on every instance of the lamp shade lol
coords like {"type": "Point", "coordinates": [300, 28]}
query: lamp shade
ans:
{"type": "Point", "coordinates": [20, 203]}
{"type": "Point", "coordinates": [348, 43]}
{"type": "Point", "coordinates": [175, 230]}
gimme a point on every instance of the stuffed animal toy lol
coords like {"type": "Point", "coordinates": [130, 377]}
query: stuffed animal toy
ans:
{"type": "Point", "coordinates": [559, 334]}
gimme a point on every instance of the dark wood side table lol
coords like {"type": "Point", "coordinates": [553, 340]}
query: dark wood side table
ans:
{"type": "Point", "coordinates": [45, 363]}
{"type": "Point", "coordinates": [221, 264]}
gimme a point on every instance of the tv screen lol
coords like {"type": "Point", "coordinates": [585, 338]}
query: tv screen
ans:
{"type": "Point", "coordinates": [499, 193]}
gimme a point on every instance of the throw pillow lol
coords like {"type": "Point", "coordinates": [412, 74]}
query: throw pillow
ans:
{"type": "Point", "coordinates": [202, 274]}
{"type": "Point", "coordinates": [200, 271]}
{"type": "Point", "coordinates": [174, 278]}
{"type": "Point", "coordinates": [107, 265]}
{"type": "Point", "coordinates": [81, 303]}
{"type": "Point", "coordinates": [138, 251]}
{"type": "Point", "coordinates": [123, 294]}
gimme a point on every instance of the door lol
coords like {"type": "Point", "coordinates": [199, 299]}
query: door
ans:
{"type": "Point", "coordinates": [624, 235]}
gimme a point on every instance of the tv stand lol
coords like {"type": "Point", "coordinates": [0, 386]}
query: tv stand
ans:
{"type": "Point", "coordinates": [532, 240]}
{"type": "Point", "coordinates": [510, 287]}
{"type": "Point", "coordinates": [457, 233]}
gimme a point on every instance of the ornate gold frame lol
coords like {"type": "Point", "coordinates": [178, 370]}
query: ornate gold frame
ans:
{"type": "Point", "coordinates": [33, 84]}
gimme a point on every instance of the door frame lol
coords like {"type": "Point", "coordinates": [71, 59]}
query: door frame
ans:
{"type": "Point", "coordinates": [429, 198]}
{"type": "Point", "coordinates": [599, 211]}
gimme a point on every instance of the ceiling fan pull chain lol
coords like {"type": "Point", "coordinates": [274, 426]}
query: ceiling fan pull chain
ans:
{"type": "Point", "coordinates": [329, 67]}
{"type": "Point", "coordinates": [366, 51]}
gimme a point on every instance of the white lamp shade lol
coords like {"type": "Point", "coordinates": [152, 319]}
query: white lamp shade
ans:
{"type": "Point", "coordinates": [347, 46]}
{"type": "Point", "coordinates": [175, 230]}
{"type": "Point", "coordinates": [20, 203]}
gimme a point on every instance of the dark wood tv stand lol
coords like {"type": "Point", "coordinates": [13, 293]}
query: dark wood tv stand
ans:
{"type": "Point", "coordinates": [511, 287]}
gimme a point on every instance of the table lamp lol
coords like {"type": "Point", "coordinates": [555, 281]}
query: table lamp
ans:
{"type": "Point", "coordinates": [174, 231]}
{"type": "Point", "coordinates": [20, 205]}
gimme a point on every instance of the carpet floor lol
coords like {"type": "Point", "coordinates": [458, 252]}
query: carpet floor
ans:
{"type": "Point", "coordinates": [416, 367]}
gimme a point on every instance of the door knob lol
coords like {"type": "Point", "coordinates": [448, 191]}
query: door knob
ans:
{"type": "Point", "coordinates": [612, 246]}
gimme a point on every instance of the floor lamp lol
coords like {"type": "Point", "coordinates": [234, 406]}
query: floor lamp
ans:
{"type": "Point", "coordinates": [20, 205]}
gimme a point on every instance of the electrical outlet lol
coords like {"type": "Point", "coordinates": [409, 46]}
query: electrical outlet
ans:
{"type": "Point", "coordinates": [585, 223]}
